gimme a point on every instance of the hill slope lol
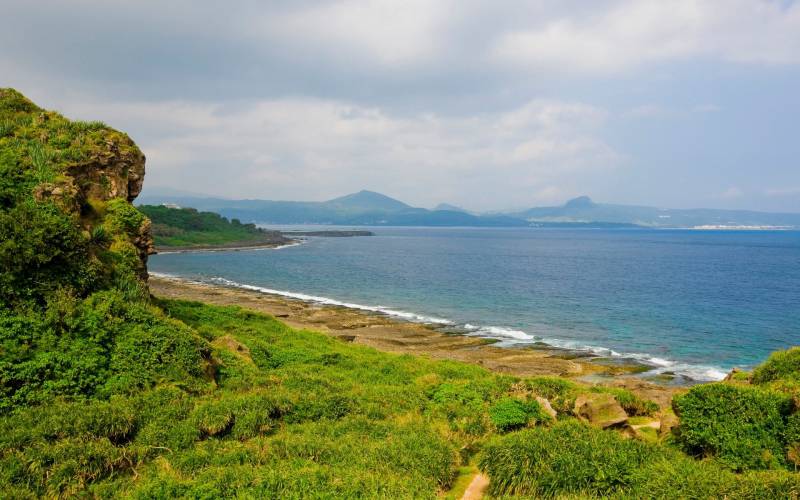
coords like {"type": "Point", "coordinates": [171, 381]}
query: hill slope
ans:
{"type": "Point", "coordinates": [187, 228]}
{"type": "Point", "coordinates": [365, 201]}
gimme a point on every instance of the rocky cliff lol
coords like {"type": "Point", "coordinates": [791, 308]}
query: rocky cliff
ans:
{"type": "Point", "coordinates": [87, 174]}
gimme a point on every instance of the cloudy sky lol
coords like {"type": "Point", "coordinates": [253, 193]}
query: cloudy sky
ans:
{"type": "Point", "coordinates": [485, 104]}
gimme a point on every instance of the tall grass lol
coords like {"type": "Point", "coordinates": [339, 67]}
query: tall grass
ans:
{"type": "Point", "coordinates": [574, 460]}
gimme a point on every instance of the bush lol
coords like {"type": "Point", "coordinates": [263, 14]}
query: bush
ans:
{"type": "Point", "coordinates": [780, 365]}
{"type": "Point", "coordinates": [743, 427]}
{"type": "Point", "coordinates": [95, 347]}
{"type": "Point", "coordinates": [509, 414]}
{"type": "Point", "coordinates": [571, 459]}
{"type": "Point", "coordinates": [568, 458]}
{"type": "Point", "coordinates": [560, 392]}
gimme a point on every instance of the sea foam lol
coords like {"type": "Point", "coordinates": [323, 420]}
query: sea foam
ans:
{"type": "Point", "coordinates": [507, 336]}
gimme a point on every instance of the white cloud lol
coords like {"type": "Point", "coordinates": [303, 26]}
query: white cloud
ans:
{"type": "Point", "coordinates": [636, 32]}
{"type": "Point", "coordinates": [312, 148]}
{"type": "Point", "coordinates": [385, 31]}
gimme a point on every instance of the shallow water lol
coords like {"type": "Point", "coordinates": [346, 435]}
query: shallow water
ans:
{"type": "Point", "coordinates": [692, 302]}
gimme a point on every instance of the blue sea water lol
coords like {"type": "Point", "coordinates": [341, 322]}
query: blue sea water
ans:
{"type": "Point", "coordinates": [692, 302]}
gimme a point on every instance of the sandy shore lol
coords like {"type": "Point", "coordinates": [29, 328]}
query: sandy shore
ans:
{"type": "Point", "coordinates": [391, 335]}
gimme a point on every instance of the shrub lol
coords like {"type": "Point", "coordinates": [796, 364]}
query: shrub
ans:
{"type": "Point", "coordinates": [510, 413]}
{"type": "Point", "coordinates": [572, 459]}
{"type": "Point", "coordinates": [560, 392]}
{"type": "Point", "coordinates": [743, 427]}
{"type": "Point", "coordinates": [568, 458]}
{"type": "Point", "coordinates": [779, 365]}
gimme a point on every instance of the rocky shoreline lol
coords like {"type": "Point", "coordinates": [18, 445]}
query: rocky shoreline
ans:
{"type": "Point", "coordinates": [229, 247]}
{"type": "Point", "coordinates": [391, 335]}
{"type": "Point", "coordinates": [284, 239]}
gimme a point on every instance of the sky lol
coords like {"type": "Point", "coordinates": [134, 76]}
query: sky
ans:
{"type": "Point", "coordinates": [489, 105]}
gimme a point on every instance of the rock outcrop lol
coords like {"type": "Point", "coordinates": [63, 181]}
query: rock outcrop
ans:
{"type": "Point", "coordinates": [600, 410]}
{"type": "Point", "coordinates": [81, 167]}
{"type": "Point", "coordinates": [547, 407]}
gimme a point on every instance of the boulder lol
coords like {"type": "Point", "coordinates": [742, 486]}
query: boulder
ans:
{"type": "Point", "coordinates": [547, 407]}
{"type": "Point", "coordinates": [600, 410]}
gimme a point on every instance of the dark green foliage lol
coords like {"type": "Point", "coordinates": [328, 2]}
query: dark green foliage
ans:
{"type": "Point", "coordinates": [188, 227]}
{"type": "Point", "coordinates": [781, 365]}
{"type": "Point", "coordinates": [743, 427]}
{"type": "Point", "coordinates": [94, 347]}
{"type": "Point", "coordinates": [572, 459]}
{"type": "Point", "coordinates": [511, 413]}
{"type": "Point", "coordinates": [41, 250]}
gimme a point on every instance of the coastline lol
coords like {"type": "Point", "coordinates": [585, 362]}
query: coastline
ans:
{"type": "Point", "coordinates": [233, 247]}
{"type": "Point", "coordinates": [391, 334]}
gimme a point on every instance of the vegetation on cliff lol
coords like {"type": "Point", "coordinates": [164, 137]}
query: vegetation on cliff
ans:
{"type": "Point", "coordinates": [107, 392]}
{"type": "Point", "coordinates": [187, 227]}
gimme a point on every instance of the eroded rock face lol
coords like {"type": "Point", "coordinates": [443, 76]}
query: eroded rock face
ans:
{"type": "Point", "coordinates": [600, 410]}
{"type": "Point", "coordinates": [115, 170]}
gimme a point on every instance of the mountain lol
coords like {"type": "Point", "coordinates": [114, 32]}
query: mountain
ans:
{"type": "Point", "coordinates": [375, 209]}
{"type": "Point", "coordinates": [451, 208]}
{"type": "Point", "coordinates": [368, 201]}
{"type": "Point", "coordinates": [366, 208]}
{"type": "Point", "coordinates": [584, 210]}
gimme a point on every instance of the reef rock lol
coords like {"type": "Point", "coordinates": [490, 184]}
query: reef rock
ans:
{"type": "Point", "coordinates": [600, 410]}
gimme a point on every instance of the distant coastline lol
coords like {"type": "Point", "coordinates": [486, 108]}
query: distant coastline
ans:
{"type": "Point", "coordinates": [230, 247]}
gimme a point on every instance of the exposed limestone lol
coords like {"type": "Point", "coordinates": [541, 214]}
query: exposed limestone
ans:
{"type": "Point", "coordinates": [600, 410]}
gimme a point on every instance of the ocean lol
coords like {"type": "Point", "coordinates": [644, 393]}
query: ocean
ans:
{"type": "Point", "coordinates": [693, 303]}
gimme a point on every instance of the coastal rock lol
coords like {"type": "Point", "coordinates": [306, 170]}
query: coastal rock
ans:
{"type": "Point", "coordinates": [547, 407]}
{"type": "Point", "coordinates": [114, 169]}
{"type": "Point", "coordinates": [84, 169]}
{"type": "Point", "coordinates": [600, 410]}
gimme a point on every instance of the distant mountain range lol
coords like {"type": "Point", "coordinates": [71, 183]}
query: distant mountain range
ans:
{"type": "Point", "coordinates": [375, 209]}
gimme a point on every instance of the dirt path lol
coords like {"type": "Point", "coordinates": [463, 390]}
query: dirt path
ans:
{"type": "Point", "coordinates": [477, 487]}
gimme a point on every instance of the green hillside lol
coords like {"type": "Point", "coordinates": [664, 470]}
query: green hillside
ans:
{"type": "Point", "coordinates": [187, 227]}
{"type": "Point", "coordinates": [107, 392]}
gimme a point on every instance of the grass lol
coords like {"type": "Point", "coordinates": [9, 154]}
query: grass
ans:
{"type": "Point", "coordinates": [574, 460]}
{"type": "Point", "coordinates": [743, 427]}
{"type": "Point", "coordinates": [305, 413]}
